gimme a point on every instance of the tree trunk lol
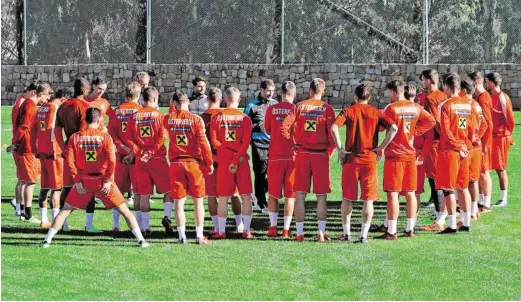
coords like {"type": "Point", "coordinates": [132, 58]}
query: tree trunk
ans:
{"type": "Point", "coordinates": [140, 53]}
{"type": "Point", "coordinates": [20, 31]}
{"type": "Point", "coordinates": [274, 47]}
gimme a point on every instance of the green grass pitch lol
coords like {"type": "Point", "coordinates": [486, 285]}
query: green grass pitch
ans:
{"type": "Point", "coordinates": [482, 265]}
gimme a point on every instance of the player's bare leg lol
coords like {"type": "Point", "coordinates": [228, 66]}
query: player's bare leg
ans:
{"type": "Point", "coordinates": [144, 206]}
{"type": "Point", "coordinates": [199, 222]}
{"type": "Point", "coordinates": [57, 224]}
{"type": "Point", "coordinates": [42, 203]}
{"type": "Point", "coordinates": [180, 219]}
{"type": "Point", "coordinates": [63, 196]}
{"type": "Point", "coordinates": [411, 208]}
{"type": "Point", "coordinates": [137, 211]}
{"type": "Point", "coordinates": [503, 186]}
{"type": "Point", "coordinates": [237, 211]}
{"type": "Point", "coordinates": [367, 217]}
{"type": "Point", "coordinates": [346, 209]}
{"type": "Point", "coordinates": [450, 205]}
{"type": "Point", "coordinates": [486, 187]}
{"type": "Point", "coordinates": [273, 213]}
{"type": "Point", "coordinates": [212, 208]}
{"type": "Point", "coordinates": [393, 210]}
{"type": "Point", "coordinates": [300, 213]}
{"type": "Point", "coordinates": [168, 205]}
{"type": "Point", "coordinates": [474, 197]}
{"type": "Point", "coordinates": [222, 212]}
{"type": "Point", "coordinates": [55, 203]}
{"type": "Point", "coordinates": [321, 217]}
{"type": "Point", "coordinates": [247, 209]}
{"type": "Point", "coordinates": [132, 224]}
{"type": "Point", "coordinates": [464, 201]}
{"type": "Point", "coordinates": [289, 207]}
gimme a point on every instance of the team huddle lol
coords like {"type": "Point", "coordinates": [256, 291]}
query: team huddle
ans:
{"type": "Point", "coordinates": [453, 136]}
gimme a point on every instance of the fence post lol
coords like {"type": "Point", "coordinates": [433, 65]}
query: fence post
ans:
{"type": "Point", "coordinates": [25, 32]}
{"type": "Point", "coordinates": [282, 35]}
{"type": "Point", "coordinates": [426, 32]}
{"type": "Point", "coordinates": [149, 22]}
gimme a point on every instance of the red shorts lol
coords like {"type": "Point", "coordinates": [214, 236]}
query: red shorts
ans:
{"type": "Point", "coordinates": [452, 171]}
{"type": "Point", "coordinates": [281, 175]}
{"type": "Point", "coordinates": [93, 186]}
{"type": "Point", "coordinates": [52, 173]}
{"type": "Point", "coordinates": [125, 176]}
{"type": "Point", "coordinates": [227, 183]}
{"type": "Point", "coordinates": [68, 181]}
{"type": "Point", "coordinates": [431, 162]}
{"type": "Point", "coordinates": [186, 178]}
{"type": "Point", "coordinates": [153, 172]}
{"type": "Point", "coordinates": [28, 168]}
{"type": "Point", "coordinates": [314, 166]}
{"type": "Point", "coordinates": [499, 152]}
{"type": "Point", "coordinates": [399, 176]}
{"type": "Point", "coordinates": [420, 178]}
{"type": "Point", "coordinates": [475, 164]}
{"type": "Point", "coordinates": [210, 182]}
{"type": "Point", "coordinates": [366, 175]}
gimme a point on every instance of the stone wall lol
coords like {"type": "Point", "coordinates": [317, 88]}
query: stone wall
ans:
{"type": "Point", "coordinates": [341, 79]}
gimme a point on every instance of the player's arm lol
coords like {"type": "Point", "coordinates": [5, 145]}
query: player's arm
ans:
{"type": "Point", "coordinates": [445, 128]}
{"type": "Point", "coordinates": [267, 121]}
{"type": "Point", "coordinates": [82, 113]}
{"type": "Point", "coordinates": [506, 106]}
{"type": "Point", "coordinates": [128, 137]}
{"type": "Point", "coordinates": [71, 159]}
{"type": "Point", "coordinates": [108, 146]}
{"type": "Point", "coordinates": [245, 142]}
{"type": "Point", "coordinates": [427, 143]}
{"type": "Point", "coordinates": [335, 133]}
{"type": "Point", "coordinates": [330, 121]}
{"type": "Point", "coordinates": [481, 122]}
{"type": "Point", "coordinates": [206, 151]}
{"type": "Point", "coordinates": [214, 132]}
{"type": "Point", "coordinates": [425, 122]}
{"type": "Point", "coordinates": [161, 136]}
{"type": "Point", "coordinates": [287, 124]}
{"type": "Point", "coordinates": [23, 129]}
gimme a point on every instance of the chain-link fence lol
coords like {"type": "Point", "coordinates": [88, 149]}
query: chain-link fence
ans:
{"type": "Point", "coordinates": [42, 32]}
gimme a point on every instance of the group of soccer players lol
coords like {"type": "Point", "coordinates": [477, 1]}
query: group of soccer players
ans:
{"type": "Point", "coordinates": [453, 136]}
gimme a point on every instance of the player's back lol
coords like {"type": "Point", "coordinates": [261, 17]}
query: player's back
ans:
{"type": "Point", "coordinates": [14, 113]}
{"type": "Point", "coordinates": [485, 102]}
{"type": "Point", "coordinates": [455, 117]}
{"type": "Point", "coordinates": [432, 103]}
{"type": "Point", "coordinates": [183, 128]}
{"type": "Point", "coordinates": [502, 115]}
{"type": "Point", "coordinates": [71, 116]}
{"type": "Point", "coordinates": [119, 120]}
{"type": "Point", "coordinates": [232, 128]}
{"type": "Point", "coordinates": [207, 119]}
{"type": "Point", "coordinates": [46, 124]}
{"type": "Point", "coordinates": [93, 151]}
{"type": "Point", "coordinates": [147, 128]}
{"type": "Point", "coordinates": [280, 146]}
{"type": "Point", "coordinates": [313, 120]}
{"type": "Point", "coordinates": [27, 114]}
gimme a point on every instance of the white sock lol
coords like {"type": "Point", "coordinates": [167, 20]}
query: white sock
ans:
{"type": "Point", "coordinates": [287, 222]}
{"type": "Point", "coordinates": [238, 220]}
{"type": "Point", "coordinates": [247, 223]}
{"type": "Point", "coordinates": [222, 225]}
{"type": "Point", "coordinates": [411, 222]}
{"type": "Point", "coordinates": [139, 219]}
{"type": "Point", "coordinates": [465, 218]}
{"type": "Point", "coordinates": [441, 218]}
{"type": "Point", "coordinates": [43, 215]}
{"type": "Point", "coordinates": [273, 218]}
{"type": "Point", "coordinates": [321, 227]}
{"type": "Point", "coordinates": [365, 230]}
{"type": "Point", "coordinates": [391, 229]}
{"type": "Point", "coordinates": [89, 217]}
{"type": "Point", "coordinates": [181, 232]}
{"type": "Point", "coordinates": [215, 222]}
{"type": "Point", "coordinates": [50, 234]}
{"type": "Point", "coordinates": [347, 229]}
{"type": "Point", "coordinates": [300, 228]}
{"type": "Point", "coordinates": [199, 232]}
{"type": "Point", "coordinates": [137, 233]}
{"type": "Point", "coordinates": [474, 208]}
{"type": "Point", "coordinates": [54, 213]}
{"type": "Point", "coordinates": [504, 195]}
{"type": "Point", "coordinates": [481, 199]}
{"type": "Point", "coordinates": [487, 201]}
{"type": "Point", "coordinates": [115, 218]}
{"type": "Point", "coordinates": [145, 218]}
{"type": "Point", "coordinates": [167, 210]}
{"type": "Point", "coordinates": [386, 222]}
{"type": "Point", "coordinates": [18, 209]}
{"type": "Point", "coordinates": [452, 222]}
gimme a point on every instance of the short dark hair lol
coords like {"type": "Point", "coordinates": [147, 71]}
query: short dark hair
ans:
{"type": "Point", "coordinates": [180, 96]}
{"type": "Point", "coordinates": [79, 85]}
{"type": "Point", "coordinates": [410, 91]}
{"type": "Point", "coordinates": [494, 77]}
{"type": "Point", "coordinates": [265, 83]}
{"type": "Point", "coordinates": [318, 85]}
{"type": "Point", "coordinates": [214, 94]}
{"type": "Point", "coordinates": [430, 74]}
{"type": "Point", "coordinates": [453, 81]}
{"type": "Point", "coordinates": [396, 85]}
{"type": "Point", "coordinates": [468, 85]}
{"type": "Point", "coordinates": [476, 75]}
{"type": "Point", "coordinates": [148, 92]}
{"type": "Point", "coordinates": [198, 79]}
{"type": "Point", "coordinates": [32, 86]}
{"type": "Point", "coordinates": [92, 115]}
{"type": "Point", "coordinates": [63, 93]}
{"type": "Point", "coordinates": [288, 86]}
{"type": "Point", "coordinates": [98, 81]}
{"type": "Point", "coordinates": [363, 92]}
{"type": "Point", "coordinates": [43, 87]}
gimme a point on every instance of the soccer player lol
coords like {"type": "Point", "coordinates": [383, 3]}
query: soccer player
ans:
{"type": "Point", "coordinates": [400, 157]}
{"type": "Point", "coordinates": [143, 78]}
{"type": "Point", "coordinates": [430, 79]}
{"type": "Point", "coordinates": [125, 174]}
{"type": "Point", "coordinates": [281, 162]}
{"type": "Point", "coordinates": [359, 157]}
{"type": "Point", "coordinates": [30, 91]}
{"type": "Point", "coordinates": [190, 154]}
{"type": "Point", "coordinates": [71, 119]}
{"type": "Point", "coordinates": [50, 147]}
{"type": "Point", "coordinates": [503, 126]}
{"type": "Point", "coordinates": [24, 144]}
{"type": "Point", "coordinates": [311, 122]}
{"type": "Point", "coordinates": [230, 134]}
{"type": "Point", "coordinates": [475, 153]}
{"type": "Point", "coordinates": [198, 100]}
{"type": "Point", "coordinates": [456, 134]}
{"type": "Point", "coordinates": [146, 137]}
{"type": "Point", "coordinates": [482, 96]}
{"type": "Point", "coordinates": [260, 141]}
{"type": "Point", "coordinates": [91, 160]}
